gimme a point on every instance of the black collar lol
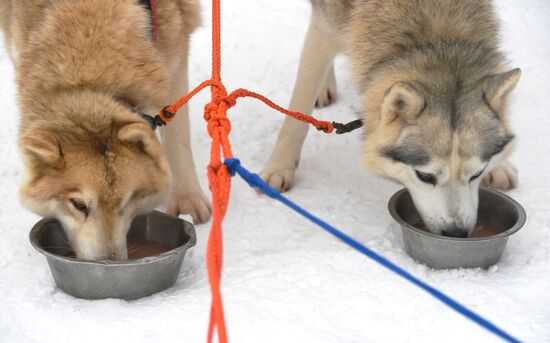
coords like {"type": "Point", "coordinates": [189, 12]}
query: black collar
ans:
{"type": "Point", "coordinates": [153, 122]}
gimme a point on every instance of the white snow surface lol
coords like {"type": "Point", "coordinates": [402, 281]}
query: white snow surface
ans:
{"type": "Point", "coordinates": [284, 279]}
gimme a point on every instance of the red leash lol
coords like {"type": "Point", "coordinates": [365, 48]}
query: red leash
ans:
{"type": "Point", "coordinates": [154, 17]}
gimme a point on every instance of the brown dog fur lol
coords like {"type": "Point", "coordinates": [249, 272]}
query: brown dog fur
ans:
{"type": "Point", "coordinates": [91, 161]}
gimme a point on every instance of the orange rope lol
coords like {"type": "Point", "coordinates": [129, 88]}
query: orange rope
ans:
{"type": "Point", "coordinates": [219, 179]}
{"type": "Point", "coordinates": [214, 117]}
{"type": "Point", "coordinates": [320, 125]}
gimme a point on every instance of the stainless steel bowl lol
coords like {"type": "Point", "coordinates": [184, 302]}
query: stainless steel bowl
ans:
{"type": "Point", "coordinates": [129, 279]}
{"type": "Point", "coordinates": [449, 252]}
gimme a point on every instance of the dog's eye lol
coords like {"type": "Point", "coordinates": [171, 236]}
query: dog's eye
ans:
{"type": "Point", "coordinates": [425, 177]}
{"type": "Point", "coordinates": [476, 175]}
{"type": "Point", "coordinates": [80, 206]}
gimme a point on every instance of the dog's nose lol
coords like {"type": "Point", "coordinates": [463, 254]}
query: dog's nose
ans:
{"type": "Point", "coordinates": [455, 232]}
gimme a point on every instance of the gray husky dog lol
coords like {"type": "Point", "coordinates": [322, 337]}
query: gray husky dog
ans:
{"type": "Point", "coordinates": [434, 88]}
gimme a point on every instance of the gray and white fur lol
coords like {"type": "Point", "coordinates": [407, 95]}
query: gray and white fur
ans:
{"type": "Point", "coordinates": [434, 86]}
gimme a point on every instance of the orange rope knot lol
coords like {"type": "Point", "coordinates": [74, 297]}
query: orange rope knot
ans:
{"type": "Point", "coordinates": [228, 100]}
{"type": "Point", "coordinates": [167, 113]}
{"type": "Point", "coordinates": [215, 113]}
{"type": "Point", "coordinates": [326, 127]}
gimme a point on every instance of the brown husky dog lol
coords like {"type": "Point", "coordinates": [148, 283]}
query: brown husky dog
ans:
{"type": "Point", "coordinates": [434, 86]}
{"type": "Point", "coordinates": [82, 68]}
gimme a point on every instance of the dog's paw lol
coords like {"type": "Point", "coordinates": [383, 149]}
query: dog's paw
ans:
{"type": "Point", "coordinates": [327, 94]}
{"type": "Point", "coordinates": [194, 204]}
{"type": "Point", "coordinates": [281, 179]}
{"type": "Point", "coordinates": [504, 176]}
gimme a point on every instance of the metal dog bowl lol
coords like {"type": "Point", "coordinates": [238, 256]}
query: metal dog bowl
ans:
{"type": "Point", "coordinates": [129, 279]}
{"type": "Point", "coordinates": [451, 252]}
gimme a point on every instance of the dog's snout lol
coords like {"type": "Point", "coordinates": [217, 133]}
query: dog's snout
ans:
{"type": "Point", "coordinates": [455, 232]}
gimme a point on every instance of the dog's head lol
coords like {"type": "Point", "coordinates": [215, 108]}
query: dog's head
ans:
{"type": "Point", "coordinates": [440, 143]}
{"type": "Point", "coordinates": [94, 181]}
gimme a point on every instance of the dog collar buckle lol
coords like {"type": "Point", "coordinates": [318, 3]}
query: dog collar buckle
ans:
{"type": "Point", "coordinates": [345, 128]}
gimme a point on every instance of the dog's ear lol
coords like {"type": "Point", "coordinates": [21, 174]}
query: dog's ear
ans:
{"type": "Point", "coordinates": [141, 136]}
{"type": "Point", "coordinates": [402, 100]}
{"type": "Point", "coordinates": [497, 87]}
{"type": "Point", "coordinates": [39, 147]}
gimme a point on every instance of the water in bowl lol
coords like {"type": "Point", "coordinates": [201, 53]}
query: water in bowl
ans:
{"type": "Point", "coordinates": [139, 249]}
{"type": "Point", "coordinates": [482, 229]}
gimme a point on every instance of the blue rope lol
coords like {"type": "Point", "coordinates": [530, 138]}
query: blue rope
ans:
{"type": "Point", "coordinates": [234, 166]}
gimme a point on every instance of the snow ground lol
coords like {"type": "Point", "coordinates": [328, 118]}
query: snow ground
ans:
{"type": "Point", "coordinates": [285, 280]}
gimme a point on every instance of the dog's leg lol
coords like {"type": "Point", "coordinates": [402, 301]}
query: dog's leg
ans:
{"type": "Point", "coordinates": [186, 195]}
{"type": "Point", "coordinates": [504, 176]}
{"type": "Point", "coordinates": [317, 55]}
{"type": "Point", "coordinates": [327, 94]}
